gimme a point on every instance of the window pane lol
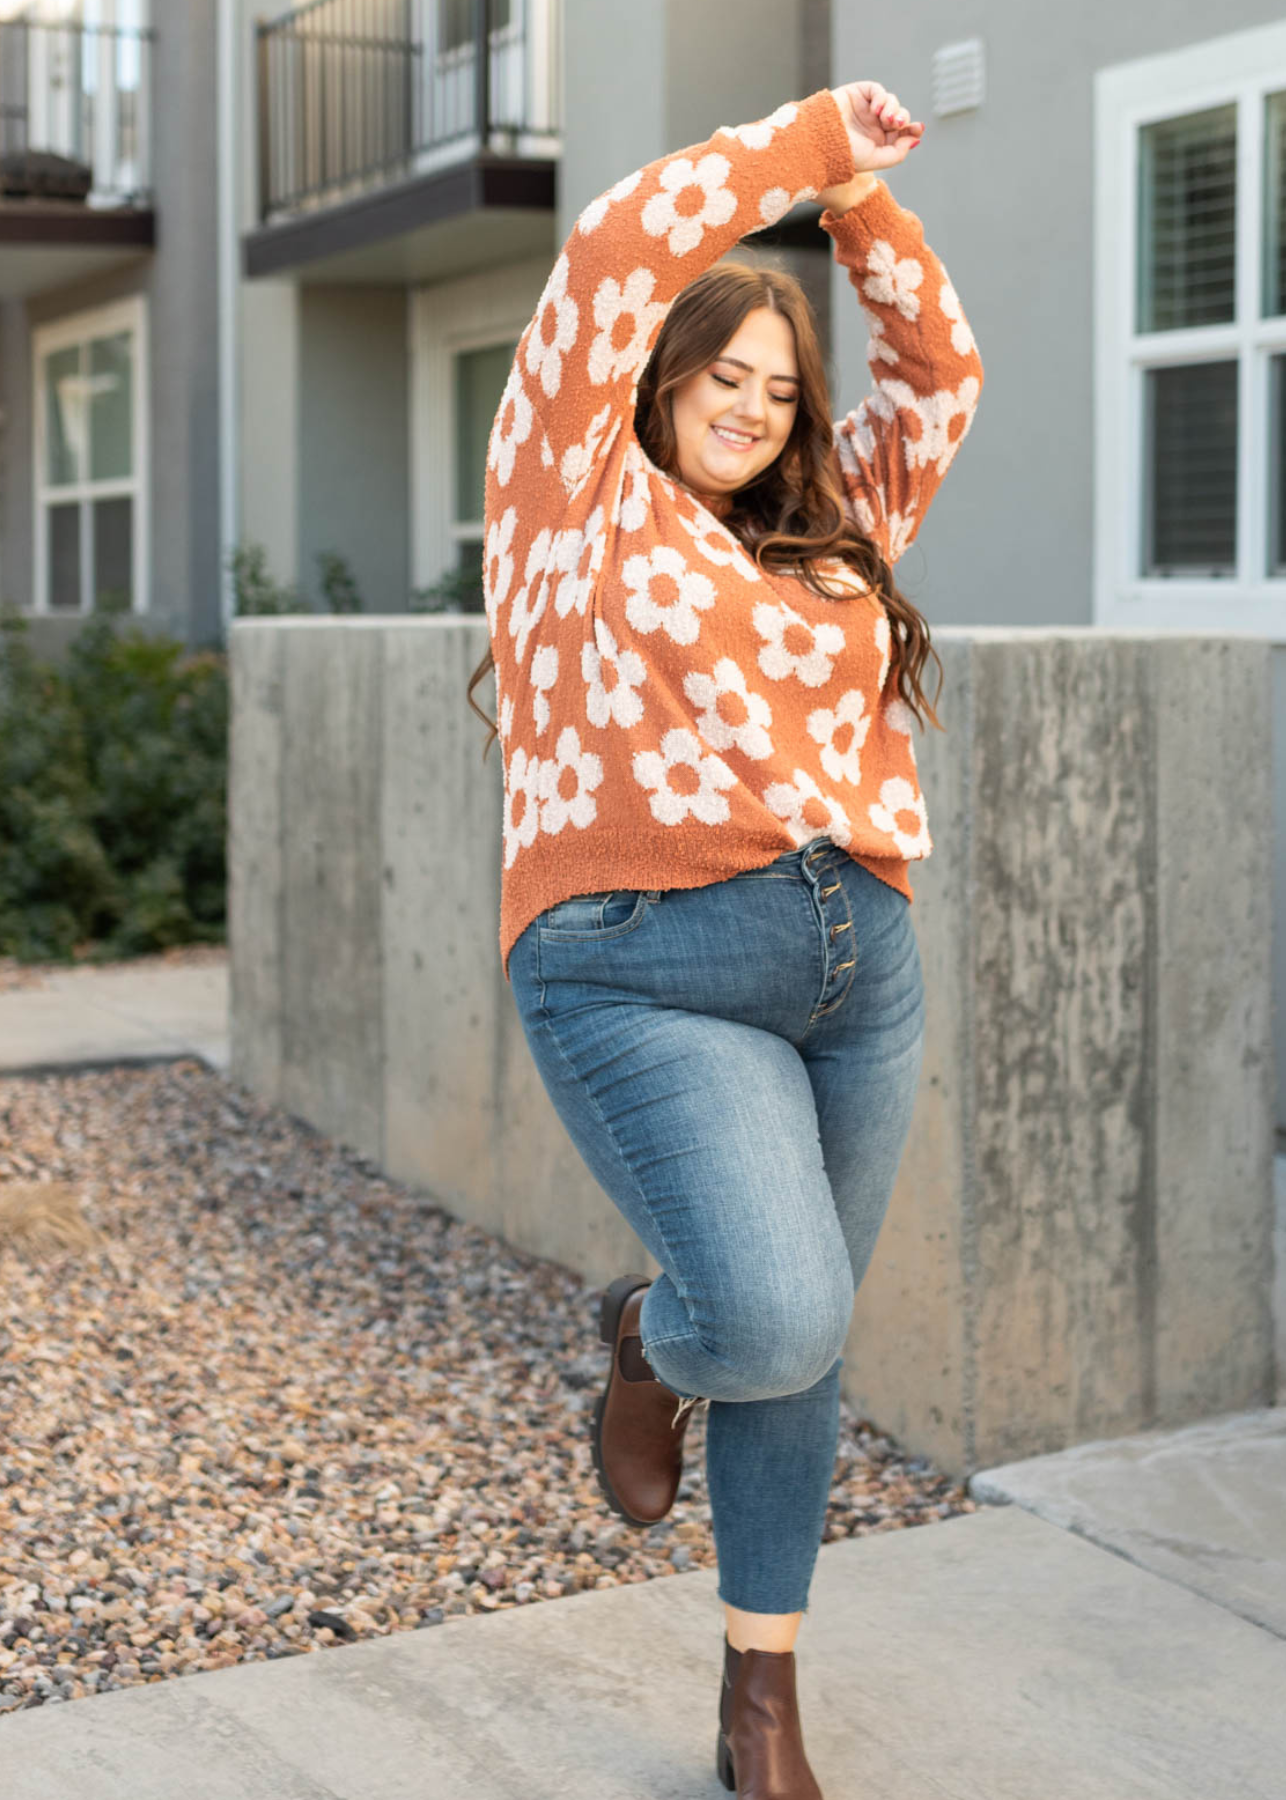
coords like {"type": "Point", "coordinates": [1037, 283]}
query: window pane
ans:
{"type": "Point", "coordinates": [480, 377]}
{"type": "Point", "coordinates": [65, 417]}
{"type": "Point", "coordinates": [1275, 205]}
{"type": "Point", "coordinates": [1277, 467]}
{"type": "Point", "coordinates": [1187, 213]}
{"type": "Point", "coordinates": [113, 554]}
{"type": "Point", "coordinates": [1190, 465]}
{"type": "Point", "coordinates": [469, 561]}
{"type": "Point", "coordinates": [64, 556]}
{"type": "Point", "coordinates": [111, 407]}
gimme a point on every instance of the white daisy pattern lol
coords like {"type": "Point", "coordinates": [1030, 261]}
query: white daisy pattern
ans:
{"type": "Point", "coordinates": [962, 339]}
{"type": "Point", "coordinates": [523, 780]}
{"type": "Point", "coordinates": [553, 330]}
{"type": "Point", "coordinates": [578, 556]}
{"type": "Point", "coordinates": [899, 717]}
{"type": "Point", "coordinates": [625, 315]}
{"type": "Point", "coordinates": [681, 780]}
{"type": "Point", "coordinates": [807, 810]}
{"type": "Point", "coordinates": [567, 783]}
{"type": "Point", "coordinates": [528, 606]}
{"type": "Point", "coordinates": [759, 135]}
{"type": "Point", "coordinates": [612, 679]}
{"type": "Point", "coordinates": [498, 566]}
{"type": "Point", "coordinates": [794, 647]}
{"type": "Point", "coordinates": [505, 717]}
{"type": "Point", "coordinates": [579, 459]}
{"type": "Point", "coordinates": [841, 731]}
{"type": "Point", "coordinates": [634, 505]}
{"type": "Point", "coordinates": [596, 211]}
{"type": "Point", "coordinates": [510, 427]}
{"type": "Point", "coordinates": [542, 674]}
{"type": "Point", "coordinates": [731, 717]}
{"type": "Point", "coordinates": [777, 202]}
{"type": "Point", "coordinates": [684, 229]}
{"type": "Point", "coordinates": [893, 280]}
{"type": "Point", "coordinates": [898, 801]}
{"type": "Point", "coordinates": [664, 593]}
{"type": "Point", "coordinates": [718, 545]}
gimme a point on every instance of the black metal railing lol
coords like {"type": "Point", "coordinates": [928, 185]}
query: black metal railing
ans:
{"type": "Point", "coordinates": [356, 93]}
{"type": "Point", "coordinates": [75, 96]}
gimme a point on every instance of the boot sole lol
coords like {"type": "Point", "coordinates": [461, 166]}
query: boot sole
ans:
{"type": "Point", "coordinates": [609, 1319]}
{"type": "Point", "coordinates": [723, 1763]}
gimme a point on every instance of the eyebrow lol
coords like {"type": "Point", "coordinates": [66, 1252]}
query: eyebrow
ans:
{"type": "Point", "coordinates": [745, 365]}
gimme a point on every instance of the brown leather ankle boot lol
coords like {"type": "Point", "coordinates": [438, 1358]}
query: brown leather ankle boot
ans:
{"type": "Point", "coordinates": [760, 1750]}
{"type": "Point", "coordinates": [638, 1426]}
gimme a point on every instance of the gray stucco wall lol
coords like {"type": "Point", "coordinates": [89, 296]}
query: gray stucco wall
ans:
{"type": "Point", "coordinates": [1006, 196]}
{"type": "Point", "coordinates": [353, 438]}
{"type": "Point", "coordinates": [179, 281]}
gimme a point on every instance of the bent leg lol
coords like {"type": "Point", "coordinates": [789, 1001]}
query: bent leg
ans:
{"type": "Point", "coordinates": [703, 1132]}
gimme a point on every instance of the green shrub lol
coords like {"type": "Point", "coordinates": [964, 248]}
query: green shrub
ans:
{"type": "Point", "coordinates": [113, 794]}
{"type": "Point", "coordinates": [457, 591]}
{"type": "Point", "coordinates": [338, 583]}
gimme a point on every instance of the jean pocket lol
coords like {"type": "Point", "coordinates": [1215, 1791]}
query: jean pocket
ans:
{"type": "Point", "coordinates": [592, 916]}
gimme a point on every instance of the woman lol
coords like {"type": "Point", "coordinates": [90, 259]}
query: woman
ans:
{"type": "Point", "coordinates": [706, 688]}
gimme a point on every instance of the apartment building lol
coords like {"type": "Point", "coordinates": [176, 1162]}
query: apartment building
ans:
{"type": "Point", "coordinates": [108, 315]}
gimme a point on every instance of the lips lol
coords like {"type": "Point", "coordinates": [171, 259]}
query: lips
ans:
{"type": "Point", "coordinates": [734, 443]}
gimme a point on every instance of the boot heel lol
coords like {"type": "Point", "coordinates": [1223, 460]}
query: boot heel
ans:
{"type": "Point", "coordinates": [609, 1311]}
{"type": "Point", "coordinates": [723, 1764]}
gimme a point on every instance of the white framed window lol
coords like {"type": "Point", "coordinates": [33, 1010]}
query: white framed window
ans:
{"type": "Point", "coordinates": [90, 445]}
{"type": "Point", "coordinates": [1190, 338]}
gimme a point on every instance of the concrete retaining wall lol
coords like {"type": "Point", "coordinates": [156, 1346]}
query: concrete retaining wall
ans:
{"type": "Point", "coordinates": [1081, 1239]}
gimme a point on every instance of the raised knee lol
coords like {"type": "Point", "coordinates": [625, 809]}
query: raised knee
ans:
{"type": "Point", "coordinates": [776, 1355]}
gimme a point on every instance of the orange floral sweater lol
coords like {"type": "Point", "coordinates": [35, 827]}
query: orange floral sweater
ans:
{"type": "Point", "coordinates": [670, 715]}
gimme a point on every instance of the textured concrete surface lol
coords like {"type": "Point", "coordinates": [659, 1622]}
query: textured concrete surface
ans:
{"type": "Point", "coordinates": [1204, 1505]}
{"type": "Point", "coordinates": [89, 1016]}
{"type": "Point", "coordinates": [982, 1658]}
{"type": "Point", "coordinates": [1080, 1242]}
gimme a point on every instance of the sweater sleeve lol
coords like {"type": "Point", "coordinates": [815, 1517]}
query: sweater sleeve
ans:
{"type": "Point", "coordinates": [895, 448]}
{"type": "Point", "coordinates": [634, 248]}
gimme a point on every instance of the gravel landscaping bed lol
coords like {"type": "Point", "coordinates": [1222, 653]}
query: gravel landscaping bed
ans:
{"type": "Point", "coordinates": [281, 1402]}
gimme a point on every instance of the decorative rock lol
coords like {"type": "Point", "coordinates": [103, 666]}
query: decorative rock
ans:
{"type": "Point", "coordinates": [311, 1369]}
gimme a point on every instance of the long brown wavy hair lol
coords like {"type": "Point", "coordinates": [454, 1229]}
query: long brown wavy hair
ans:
{"type": "Point", "coordinates": [792, 514]}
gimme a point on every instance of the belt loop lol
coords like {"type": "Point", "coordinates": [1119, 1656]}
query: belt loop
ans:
{"type": "Point", "coordinates": [653, 893]}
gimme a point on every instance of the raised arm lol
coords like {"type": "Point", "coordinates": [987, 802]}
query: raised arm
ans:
{"type": "Point", "coordinates": [637, 245]}
{"type": "Point", "coordinates": [895, 448]}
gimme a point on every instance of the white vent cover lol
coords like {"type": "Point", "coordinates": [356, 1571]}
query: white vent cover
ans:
{"type": "Point", "coordinates": [958, 77]}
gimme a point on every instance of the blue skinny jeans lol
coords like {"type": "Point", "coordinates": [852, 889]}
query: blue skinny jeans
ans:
{"type": "Point", "coordinates": [737, 1064]}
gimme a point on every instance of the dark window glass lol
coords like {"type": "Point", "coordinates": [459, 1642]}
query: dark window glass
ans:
{"type": "Point", "coordinates": [1190, 470]}
{"type": "Point", "coordinates": [1187, 220]}
{"type": "Point", "coordinates": [113, 554]}
{"type": "Point", "coordinates": [64, 557]}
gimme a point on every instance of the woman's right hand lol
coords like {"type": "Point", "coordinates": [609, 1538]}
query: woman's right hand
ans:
{"type": "Point", "coordinates": [880, 129]}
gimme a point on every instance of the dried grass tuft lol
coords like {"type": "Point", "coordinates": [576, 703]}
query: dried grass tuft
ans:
{"type": "Point", "coordinates": [44, 1217]}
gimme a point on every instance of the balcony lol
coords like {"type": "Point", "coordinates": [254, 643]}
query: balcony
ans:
{"type": "Point", "coordinates": [75, 181]}
{"type": "Point", "coordinates": [404, 138]}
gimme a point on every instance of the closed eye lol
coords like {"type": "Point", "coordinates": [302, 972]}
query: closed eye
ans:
{"type": "Point", "coordinates": [783, 399]}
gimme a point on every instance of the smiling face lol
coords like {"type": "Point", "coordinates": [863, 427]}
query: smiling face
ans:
{"type": "Point", "coordinates": [733, 417]}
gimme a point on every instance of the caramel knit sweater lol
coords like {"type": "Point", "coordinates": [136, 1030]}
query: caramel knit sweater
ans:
{"type": "Point", "coordinates": [669, 714]}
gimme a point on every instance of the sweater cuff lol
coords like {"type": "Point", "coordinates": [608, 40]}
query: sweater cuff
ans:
{"type": "Point", "coordinates": [874, 215]}
{"type": "Point", "coordinates": [821, 110]}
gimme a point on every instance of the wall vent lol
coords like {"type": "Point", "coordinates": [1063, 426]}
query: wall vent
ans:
{"type": "Point", "coordinates": [958, 77]}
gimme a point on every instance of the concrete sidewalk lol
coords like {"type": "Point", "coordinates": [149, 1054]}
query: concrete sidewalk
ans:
{"type": "Point", "coordinates": [128, 1013]}
{"type": "Point", "coordinates": [988, 1656]}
